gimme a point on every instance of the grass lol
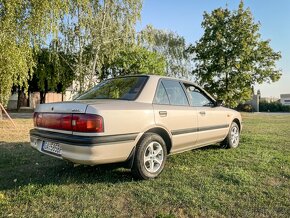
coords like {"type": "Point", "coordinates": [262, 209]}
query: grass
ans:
{"type": "Point", "coordinates": [251, 181]}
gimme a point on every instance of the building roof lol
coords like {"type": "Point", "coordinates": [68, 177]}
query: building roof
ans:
{"type": "Point", "coordinates": [285, 95]}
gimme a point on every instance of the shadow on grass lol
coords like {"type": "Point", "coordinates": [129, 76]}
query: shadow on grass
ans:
{"type": "Point", "coordinates": [210, 147]}
{"type": "Point", "coordinates": [20, 115]}
{"type": "Point", "coordinates": [21, 165]}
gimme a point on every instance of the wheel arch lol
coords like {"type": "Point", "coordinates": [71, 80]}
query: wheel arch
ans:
{"type": "Point", "coordinates": [157, 130]}
{"type": "Point", "coordinates": [237, 121]}
{"type": "Point", "coordinates": [163, 134]}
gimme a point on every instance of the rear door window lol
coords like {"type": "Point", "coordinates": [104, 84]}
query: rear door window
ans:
{"type": "Point", "coordinates": [175, 92]}
{"type": "Point", "coordinates": [161, 96]}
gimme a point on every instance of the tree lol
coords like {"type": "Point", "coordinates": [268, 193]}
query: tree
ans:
{"type": "Point", "coordinates": [231, 56]}
{"type": "Point", "coordinates": [171, 46]}
{"type": "Point", "coordinates": [95, 31]}
{"type": "Point", "coordinates": [51, 73]}
{"type": "Point", "coordinates": [24, 26]}
{"type": "Point", "coordinates": [135, 60]}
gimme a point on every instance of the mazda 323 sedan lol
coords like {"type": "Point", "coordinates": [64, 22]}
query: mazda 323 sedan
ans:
{"type": "Point", "coordinates": [134, 119]}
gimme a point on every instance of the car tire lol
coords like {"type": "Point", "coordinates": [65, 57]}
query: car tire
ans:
{"type": "Point", "coordinates": [150, 157]}
{"type": "Point", "coordinates": [233, 138]}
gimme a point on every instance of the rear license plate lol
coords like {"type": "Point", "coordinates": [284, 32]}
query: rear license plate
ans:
{"type": "Point", "coordinates": [51, 148]}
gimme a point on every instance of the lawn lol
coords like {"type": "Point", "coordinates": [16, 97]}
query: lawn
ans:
{"type": "Point", "coordinates": [250, 181]}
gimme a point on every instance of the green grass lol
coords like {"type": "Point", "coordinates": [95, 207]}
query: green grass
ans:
{"type": "Point", "coordinates": [250, 181]}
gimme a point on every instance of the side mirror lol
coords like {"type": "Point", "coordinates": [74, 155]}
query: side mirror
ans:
{"type": "Point", "coordinates": [219, 103]}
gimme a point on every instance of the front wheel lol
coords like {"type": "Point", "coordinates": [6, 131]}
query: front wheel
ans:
{"type": "Point", "coordinates": [233, 138]}
{"type": "Point", "coordinates": [150, 157]}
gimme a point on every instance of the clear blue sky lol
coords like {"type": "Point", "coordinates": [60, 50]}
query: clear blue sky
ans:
{"type": "Point", "coordinates": [185, 16]}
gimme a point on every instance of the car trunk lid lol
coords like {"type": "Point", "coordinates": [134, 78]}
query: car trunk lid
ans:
{"type": "Point", "coordinates": [62, 107]}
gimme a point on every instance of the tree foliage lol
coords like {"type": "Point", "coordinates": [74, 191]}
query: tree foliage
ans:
{"type": "Point", "coordinates": [171, 46]}
{"type": "Point", "coordinates": [78, 26]}
{"type": "Point", "coordinates": [24, 25]}
{"type": "Point", "coordinates": [231, 56]}
{"type": "Point", "coordinates": [51, 72]}
{"type": "Point", "coordinates": [95, 31]}
{"type": "Point", "coordinates": [136, 60]}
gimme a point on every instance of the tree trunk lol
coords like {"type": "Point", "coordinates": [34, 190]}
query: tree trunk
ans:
{"type": "Point", "coordinates": [42, 97]}
{"type": "Point", "coordinates": [227, 81]}
{"type": "Point", "coordinates": [19, 99]}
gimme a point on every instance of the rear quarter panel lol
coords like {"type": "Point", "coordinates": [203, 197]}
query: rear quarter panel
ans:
{"type": "Point", "coordinates": [124, 117]}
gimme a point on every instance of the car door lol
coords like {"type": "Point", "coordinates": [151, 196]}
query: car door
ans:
{"type": "Point", "coordinates": [173, 112]}
{"type": "Point", "coordinates": [212, 121]}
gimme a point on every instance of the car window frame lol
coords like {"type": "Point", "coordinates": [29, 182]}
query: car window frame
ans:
{"type": "Point", "coordinates": [183, 89]}
{"type": "Point", "coordinates": [156, 90]}
{"type": "Point", "coordinates": [201, 91]}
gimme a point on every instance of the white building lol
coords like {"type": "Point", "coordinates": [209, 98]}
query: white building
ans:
{"type": "Point", "coordinates": [285, 99]}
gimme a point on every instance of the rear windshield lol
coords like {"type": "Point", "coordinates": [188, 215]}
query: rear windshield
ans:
{"type": "Point", "coordinates": [122, 88]}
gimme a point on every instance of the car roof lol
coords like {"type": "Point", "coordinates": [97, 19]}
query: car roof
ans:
{"type": "Point", "coordinates": [153, 82]}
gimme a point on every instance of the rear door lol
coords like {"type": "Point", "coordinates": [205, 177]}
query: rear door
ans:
{"type": "Point", "coordinates": [173, 112]}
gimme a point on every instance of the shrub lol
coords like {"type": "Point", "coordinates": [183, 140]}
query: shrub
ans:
{"type": "Point", "coordinates": [273, 107]}
{"type": "Point", "coordinates": [245, 108]}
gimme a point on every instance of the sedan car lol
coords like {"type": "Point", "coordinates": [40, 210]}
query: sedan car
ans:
{"type": "Point", "coordinates": [138, 120]}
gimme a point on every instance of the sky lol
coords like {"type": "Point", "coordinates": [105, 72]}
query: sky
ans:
{"type": "Point", "coordinates": [185, 16]}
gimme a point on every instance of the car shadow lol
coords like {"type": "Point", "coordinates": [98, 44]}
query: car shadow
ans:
{"type": "Point", "coordinates": [21, 165]}
{"type": "Point", "coordinates": [210, 147]}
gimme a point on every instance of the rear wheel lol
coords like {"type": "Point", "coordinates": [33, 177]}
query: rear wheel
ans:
{"type": "Point", "coordinates": [150, 157]}
{"type": "Point", "coordinates": [233, 138]}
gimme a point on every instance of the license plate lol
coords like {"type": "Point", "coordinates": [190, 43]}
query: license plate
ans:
{"type": "Point", "coordinates": [51, 148]}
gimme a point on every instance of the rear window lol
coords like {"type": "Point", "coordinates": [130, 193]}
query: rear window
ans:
{"type": "Point", "coordinates": [122, 88]}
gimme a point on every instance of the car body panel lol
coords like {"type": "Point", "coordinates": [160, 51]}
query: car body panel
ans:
{"type": "Point", "coordinates": [181, 122]}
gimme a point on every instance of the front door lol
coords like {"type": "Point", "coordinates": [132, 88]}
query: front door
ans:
{"type": "Point", "coordinates": [212, 121]}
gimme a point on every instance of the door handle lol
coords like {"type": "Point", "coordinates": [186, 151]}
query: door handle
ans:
{"type": "Point", "coordinates": [163, 113]}
{"type": "Point", "coordinates": [202, 112]}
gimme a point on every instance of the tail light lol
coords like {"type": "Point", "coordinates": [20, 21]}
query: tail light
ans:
{"type": "Point", "coordinates": [69, 122]}
{"type": "Point", "coordinates": [87, 123]}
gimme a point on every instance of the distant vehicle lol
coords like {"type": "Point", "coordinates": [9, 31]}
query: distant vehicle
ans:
{"type": "Point", "coordinates": [134, 119]}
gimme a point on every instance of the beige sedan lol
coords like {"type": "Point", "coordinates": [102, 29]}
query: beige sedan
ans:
{"type": "Point", "coordinates": [137, 120]}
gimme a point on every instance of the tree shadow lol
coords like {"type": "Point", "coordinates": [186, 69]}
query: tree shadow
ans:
{"type": "Point", "coordinates": [21, 165]}
{"type": "Point", "coordinates": [20, 115]}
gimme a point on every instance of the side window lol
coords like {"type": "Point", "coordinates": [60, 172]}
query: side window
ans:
{"type": "Point", "coordinates": [175, 92]}
{"type": "Point", "coordinates": [197, 98]}
{"type": "Point", "coordinates": [161, 96]}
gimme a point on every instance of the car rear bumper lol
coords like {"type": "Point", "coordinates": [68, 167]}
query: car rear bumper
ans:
{"type": "Point", "coordinates": [86, 149]}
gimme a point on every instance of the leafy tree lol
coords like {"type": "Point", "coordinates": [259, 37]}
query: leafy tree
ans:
{"type": "Point", "coordinates": [135, 60]}
{"type": "Point", "coordinates": [231, 56]}
{"type": "Point", "coordinates": [24, 26]}
{"type": "Point", "coordinates": [51, 73]}
{"type": "Point", "coordinates": [171, 46]}
{"type": "Point", "coordinates": [95, 31]}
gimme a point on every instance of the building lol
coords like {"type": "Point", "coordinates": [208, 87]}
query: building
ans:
{"type": "Point", "coordinates": [31, 100]}
{"type": "Point", "coordinates": [269, 99]}
{"type": "Point", "coordinates": [285, 99]}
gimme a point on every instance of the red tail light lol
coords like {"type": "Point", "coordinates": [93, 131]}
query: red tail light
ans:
{"type": "Point", "coordinates": [87, 123]}
{"type": "Point", "coordinates": [69, 122]}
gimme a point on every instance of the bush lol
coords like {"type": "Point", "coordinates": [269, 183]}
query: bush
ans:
{"type": "Point", "coordinates": [273, 107]}
{"type": "Point", "coordinates": [245, 108]}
